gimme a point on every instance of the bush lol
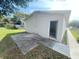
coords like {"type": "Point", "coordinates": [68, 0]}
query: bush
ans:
{"type": "Point", "coordinates": [10, 26]}
{"type": "Point", "coordinates": [1, 24]}
{"type": "Point", "coordinates": [78, 39]}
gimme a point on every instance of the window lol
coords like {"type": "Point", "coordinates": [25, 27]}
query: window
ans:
{"type": "Point", "coordinates": [53, 28]}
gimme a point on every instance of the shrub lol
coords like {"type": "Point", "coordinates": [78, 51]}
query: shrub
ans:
{"type": "Point", "coordinates": [18, 22]}
{"type": "Point", "coordinates": [10, 26]}
{"type": "Point", "coordinates": [1, 24]}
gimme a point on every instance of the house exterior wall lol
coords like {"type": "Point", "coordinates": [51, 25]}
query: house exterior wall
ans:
{"type": "Point", "coordinates": [64, 27]}
{"type": "Point", "coordinates": [40, 23]}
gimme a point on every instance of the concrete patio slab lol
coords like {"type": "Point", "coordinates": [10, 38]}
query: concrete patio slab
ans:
{"type": "Point", "coordinates": [27, 42]}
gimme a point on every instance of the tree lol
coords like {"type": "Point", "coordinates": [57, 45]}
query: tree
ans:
{"type": "Point", "coordinates": [5, 20]}
{"type": "Point", "coordinates": [1, 18]}
{"type": "Point", "coordinates": [21, 16]}
{"type": "Point", "coordinates": [9, 6]}
{"type": "Point", "coordinates": [74, 23]}
{"type": "Point", "coordinates": [14, 19]}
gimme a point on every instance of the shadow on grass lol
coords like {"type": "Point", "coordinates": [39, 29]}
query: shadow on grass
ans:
{"type": "Point", "coordinates": [40, 52]}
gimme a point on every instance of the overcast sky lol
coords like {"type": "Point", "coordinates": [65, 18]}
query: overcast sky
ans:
{"type": "Point", "coordinates": [72, 5]}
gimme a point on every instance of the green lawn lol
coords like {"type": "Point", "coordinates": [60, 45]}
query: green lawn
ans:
{"type": "Point", "coordinates": [5, 31]}
{"type": "Point", "coordinates": [75, 33]}
{"type": "Point", "coordinates": [5, 40]}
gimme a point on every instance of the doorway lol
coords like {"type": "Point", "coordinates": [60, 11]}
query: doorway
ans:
{"type": "Point", "coordinates": [53, 29]}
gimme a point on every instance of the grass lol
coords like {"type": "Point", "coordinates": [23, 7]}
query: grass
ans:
{"type": "Point", "coordinates": [75, 33]}
{"type": "Point", "coordinates": [5, 44]}
{"type": "Point", "coordinates": [5, 40]}
{"type": "Point", "coordinates": [5, 31]}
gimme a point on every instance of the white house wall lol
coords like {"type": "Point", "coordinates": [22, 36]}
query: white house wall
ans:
{"type": "Point", "coordinates": [64, 28]}
{"type": "Point", "coordinates": [40, 23]}
{"type": "Point", "coordinates": [31, 24]}
{"type": "Point", "coordinates": [45, 24]}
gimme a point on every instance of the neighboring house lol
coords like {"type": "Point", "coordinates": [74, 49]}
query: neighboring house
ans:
{"type": "Point", "coordinates": [49, 24]}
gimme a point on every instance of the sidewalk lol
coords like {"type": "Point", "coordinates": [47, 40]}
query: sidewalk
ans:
{"type": "Point", "coordinates": [73, 45]}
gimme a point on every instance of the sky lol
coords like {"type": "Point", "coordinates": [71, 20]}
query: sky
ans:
{"type": "Point", "coordinates": [72, 5]}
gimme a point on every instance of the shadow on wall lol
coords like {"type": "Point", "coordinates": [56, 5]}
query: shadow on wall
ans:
{"type": "Point", "coordinates": [64, 41]}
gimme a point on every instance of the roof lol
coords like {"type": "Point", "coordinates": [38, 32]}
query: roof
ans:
{"type": "Point", "coordinates": [54, 11]}
{"type": "Point", "coordinates": [65, 13]}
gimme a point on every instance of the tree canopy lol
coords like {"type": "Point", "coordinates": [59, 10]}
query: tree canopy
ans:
{"type": "Point", "coordinates": [9, 6]}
